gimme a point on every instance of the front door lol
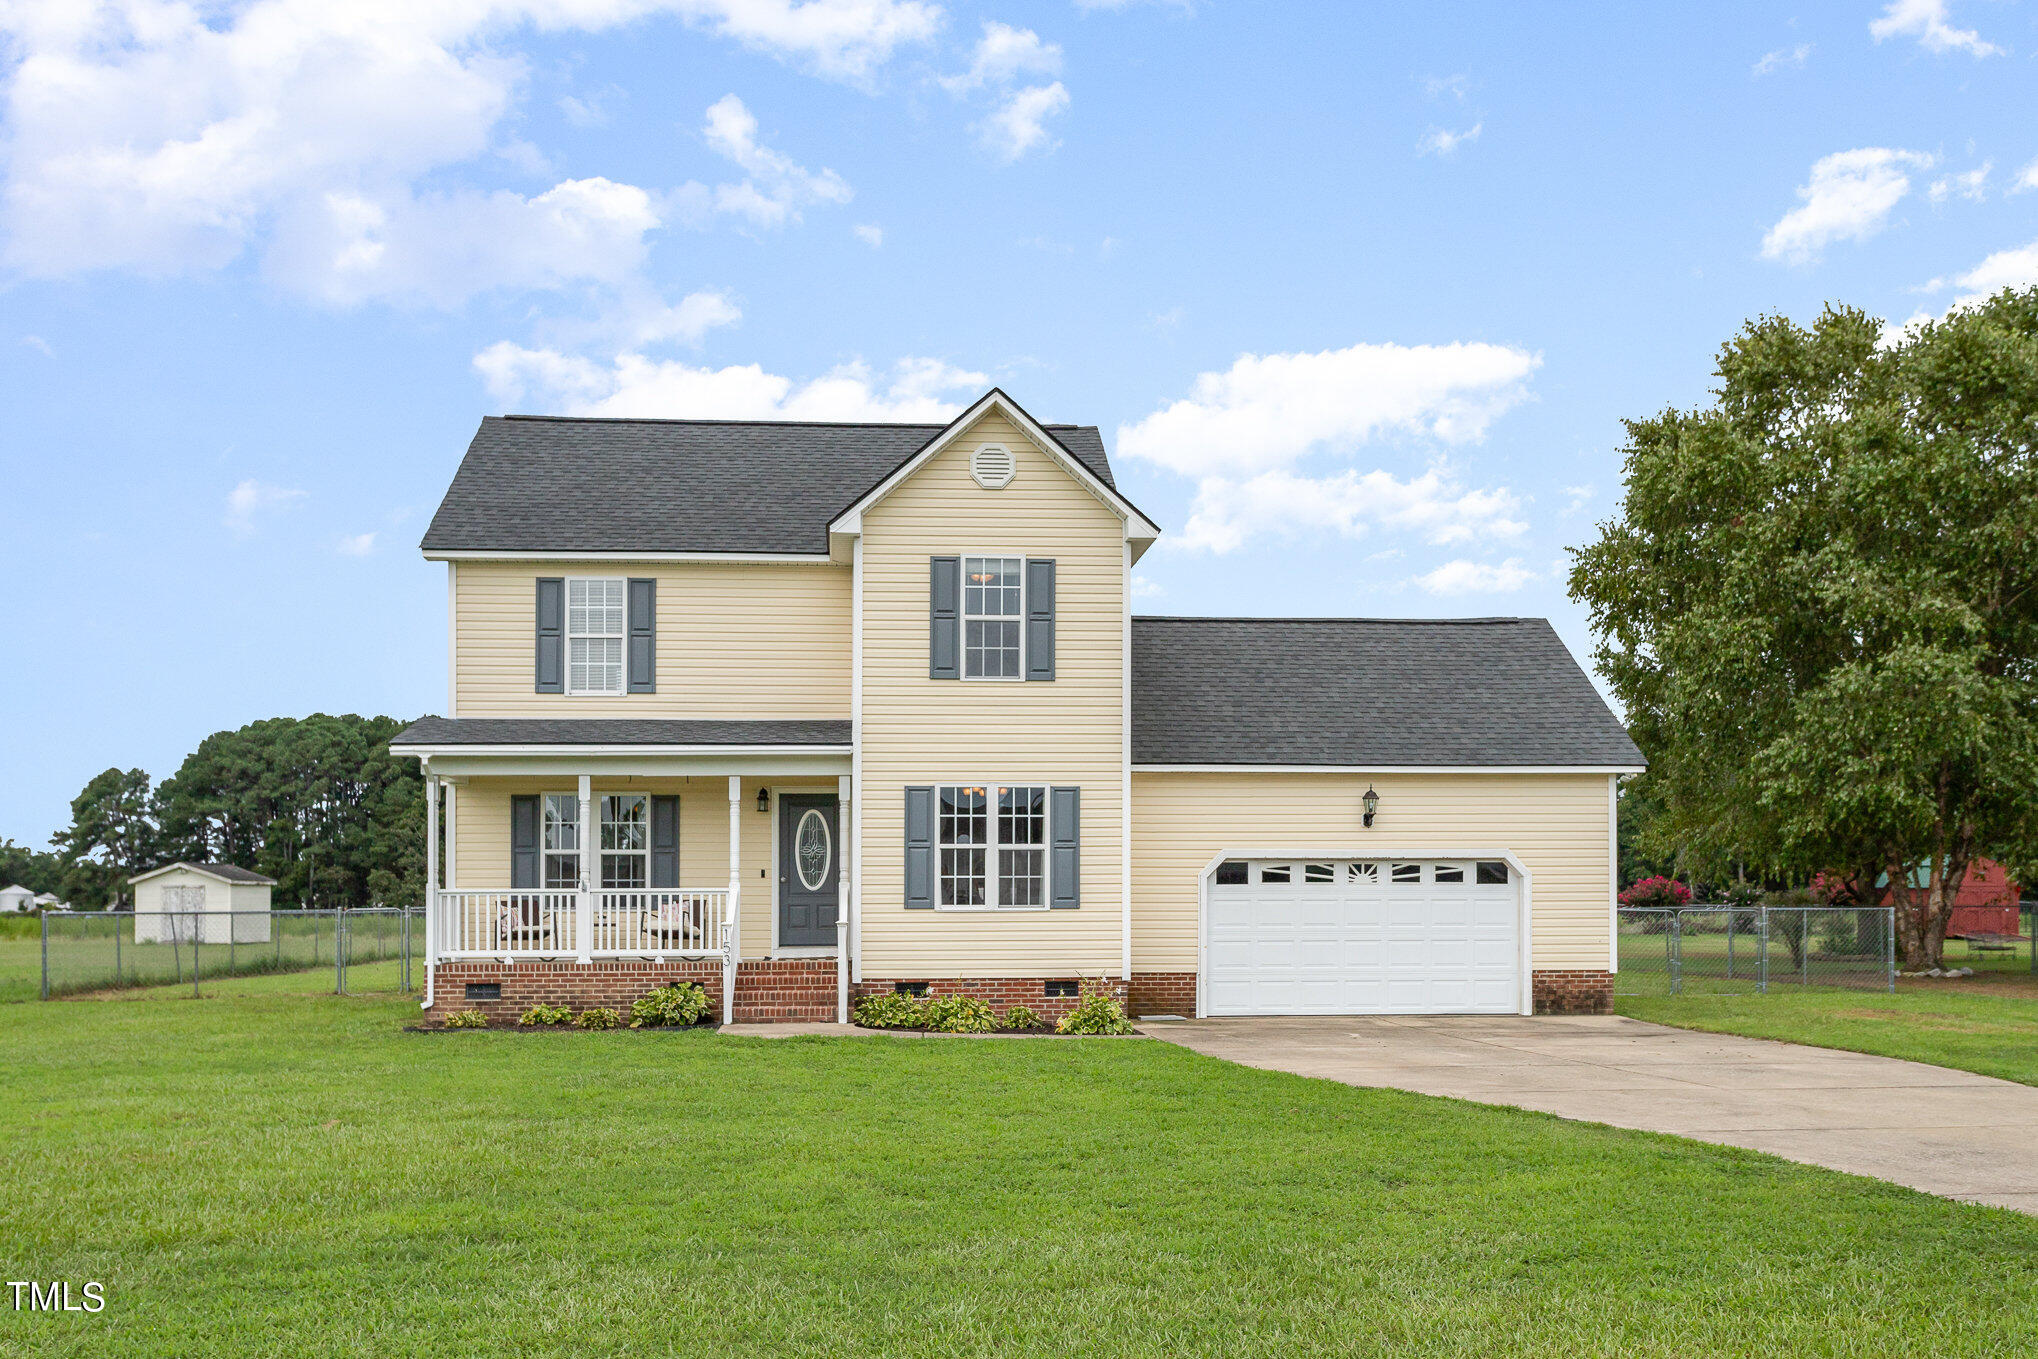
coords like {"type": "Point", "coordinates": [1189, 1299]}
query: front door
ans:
{"type": "Point", "coordinates": [809, 854]}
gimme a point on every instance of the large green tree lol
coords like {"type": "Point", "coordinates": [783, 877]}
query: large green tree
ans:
{"type": "Point", "coordinates": [112, 836]}
{"type": "Point", "coordinates": [317, 803]}
{"type": "Point", "coordinates": [1819, 605]}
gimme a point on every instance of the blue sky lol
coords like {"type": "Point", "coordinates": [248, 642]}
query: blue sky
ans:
{"type": "Point", "coordinates": [1359, 294]}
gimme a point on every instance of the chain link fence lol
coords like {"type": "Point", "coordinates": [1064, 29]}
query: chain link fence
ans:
{"type": "Point", "coordinates": [1724, 950]}
{"type": "Point", "coordinates": [365, 951]}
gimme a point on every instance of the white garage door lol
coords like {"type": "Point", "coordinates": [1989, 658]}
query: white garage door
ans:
{"type": "Point", "coordinates": [1330, 937]}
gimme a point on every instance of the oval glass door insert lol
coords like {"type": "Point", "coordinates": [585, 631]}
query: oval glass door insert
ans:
{"type": "Point", "coordinates": [813, 847]}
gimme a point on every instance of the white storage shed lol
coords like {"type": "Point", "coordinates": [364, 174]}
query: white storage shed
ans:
{"type": "Point", "coordinates": [213, 903]}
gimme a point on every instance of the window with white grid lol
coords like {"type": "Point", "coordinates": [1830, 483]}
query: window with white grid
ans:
{"type": "Point", "coordinates": [993, 844]}
{"type": "Point", "coordinates": [993, 610]}
{"type": "Point", "coordinates": [562, 841]}
{"type": "Point", "coordinates": [594, 636]}
{"type": "Point", "coordinates": [625, 840]}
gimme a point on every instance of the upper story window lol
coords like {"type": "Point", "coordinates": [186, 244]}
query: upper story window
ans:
{"type": "Point", "coordinates": [993, 613]}
{"type": "Point", "coordinates": [596, 620]}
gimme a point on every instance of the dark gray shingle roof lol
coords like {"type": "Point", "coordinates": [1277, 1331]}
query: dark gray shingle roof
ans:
{"type": "Point", "coordinates": [232, 873]}
{"type": "Point", "coordinates": [618, 731]}
{"type": "Point", "coordinates": [1358, 691]}
{"type": "Point", "coordinates": [553, 484]}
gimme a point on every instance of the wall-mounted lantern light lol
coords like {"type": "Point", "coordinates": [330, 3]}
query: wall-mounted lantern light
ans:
{"type": "Point", "coordinates": [764, 799]}
{"type": "Point", "coordinates": [1372, 803]}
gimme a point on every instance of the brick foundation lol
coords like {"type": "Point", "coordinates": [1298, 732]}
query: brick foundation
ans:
{"type": "Point", "coordinates": [614, 982]}
{"type": "Point", "coordinates": [1163, 993]}
{"type": "Point", "coordinates": [1001, 992]}
{"type": "Point", "coordinates": [1566, 991]}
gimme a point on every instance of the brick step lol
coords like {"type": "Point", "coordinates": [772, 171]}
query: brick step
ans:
{"type": "Point", "coordinates": [785, 1014]}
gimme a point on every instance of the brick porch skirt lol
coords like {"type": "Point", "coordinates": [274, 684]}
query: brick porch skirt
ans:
{"type": "Point", "coordinates": [767, 989]}
{"type": "Point", "coordinates": [1001, 992]}
{"type": "Point", "coordinates": [1573, 991]}
{"type": "Point", "coordinates": [1163, 993]}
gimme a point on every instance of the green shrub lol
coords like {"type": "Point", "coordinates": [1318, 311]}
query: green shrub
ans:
{"type": "Point", "coordinates": [597, 1017]}
{"type": "Point", "coordinates": [1019, 1019]}
{"type": "Point", "coordinates": [545, 1015]}
{"type": "Point", "coordinates": [467, 1019]}
{"type": "Point", "coordinates": [683, 1004]}
{"type": "Point", "coordinates": [1097, 1012]}
{"type": "Point", "coordinates": [894, 1011]}
{"type": "Point", "coordinates": [961, 1014]}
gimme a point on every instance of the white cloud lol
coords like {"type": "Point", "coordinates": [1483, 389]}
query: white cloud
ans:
{"type": "Point", "coordinates": [1268, 411]}
{"type": "Point", "coordinates": [1435, 506]}
{"type": "Point", "coordinates": [870, 234]}
{"type": "Point", "coordinates": [1464, 577]}
{"type": "Point", "coordinates": [777, 187]}
{"type": "Point", "coordinates": [2017, 268]}
{"type": "Point", "coordinates": [171, 138]}
{"type": "Point", "coordinates": [1455, 86]}
{"type": "Point", "coordinates": [357, 545]}
{"type": "Point", "coordinates": [1002, 55]}
{"type": "Point", "coordinates": [1783, 58]}
{"type": "Point", "coordinates": [2027, 178]}
{"type": "Point", "coordinates": [1443, 142]}
{"type": "Point", "coordinates": [1971, 185]}
{"type": "Point", "coordinates": [1579, 495]}
{"type": "Point", "coordinates": [1144, 587]}
{"type": "Point", "coordinates": [1929, 21]}
{"type": "Point", "coordinates": [1019, 124]}
{"type": "Point", "coordinates": [252, 499]}
{"type": "Point", "coordinates": [634, 385]}
{"type": "Point", "coordinates": [40, 345]}
{"type": "Point", "coordinates": [1849, 197]}
{"type": "Point", "coordinates": [591, 110]}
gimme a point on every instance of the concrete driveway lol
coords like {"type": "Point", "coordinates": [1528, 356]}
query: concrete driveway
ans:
{"type": "Point", "coordinates": [1945, 1132]}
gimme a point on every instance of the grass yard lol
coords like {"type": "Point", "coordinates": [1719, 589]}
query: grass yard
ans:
{"type": "Point", "coordinates": [277, 1173]}
{"type": "Point", "coordinates": [1987, 1024]}
{"type": "Point", "coordinates": [89, 950]}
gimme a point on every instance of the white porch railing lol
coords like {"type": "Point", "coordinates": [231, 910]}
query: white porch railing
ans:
{"type": "Point", "coordinates": [650, 923]}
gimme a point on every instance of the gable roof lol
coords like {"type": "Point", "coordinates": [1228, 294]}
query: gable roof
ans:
{"type": "Point", "coordinates": [533, 483]}
{"type": "Point", "coordinates": [1366, 693]}
{"type": "Point", "coordinates": [224, 872]}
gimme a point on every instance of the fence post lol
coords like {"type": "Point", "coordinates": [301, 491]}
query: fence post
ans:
{"type": "Point", "coordinates": [1889, 947]}
{"type": "Point", "coordinates": [1676, 953]}
{"type": "Point", "coordinates": [340, 955]}
{"type": "Point", "coordinates": [197, 926]}
{"type": "Point", "coordinates": [1762, 978]}
{"type": "Point", "coordinates": [1804, 946]}
{"type": "Point", "coordinates": [116, 949]}
{"type": "Point", "coordinates": [45, 955]}
{"type": "Point", "coordinates": [1733, 918]}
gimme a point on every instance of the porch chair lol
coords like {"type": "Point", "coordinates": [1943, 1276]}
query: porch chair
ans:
{"type": "Point", "coordinates": [524, 922]}
{"type": "Point", "coordinates": [677, 925]}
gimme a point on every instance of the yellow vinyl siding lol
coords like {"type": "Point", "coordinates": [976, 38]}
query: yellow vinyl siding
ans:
{"type": "Point", "coordinates": [482, 845]}
{"type": "Point", "coordinates": [735, 640]}
{"type": "Point", "coordinates": [922, 731]}
{"type": "Point", "coordinates": [1556, 824]}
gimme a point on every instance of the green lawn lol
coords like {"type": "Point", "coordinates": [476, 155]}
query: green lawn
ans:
{"type": "Point", "coordinates": [1988, 1024]}
{"type": "Point", "coordinates": [276, 1173]}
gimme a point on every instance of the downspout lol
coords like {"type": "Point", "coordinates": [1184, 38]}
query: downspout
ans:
{"type": "Point", "coordinates": [431, 881]}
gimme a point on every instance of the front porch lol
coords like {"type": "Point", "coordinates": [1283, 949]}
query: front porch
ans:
{"type": "Point", "coordinates": [586, 871]}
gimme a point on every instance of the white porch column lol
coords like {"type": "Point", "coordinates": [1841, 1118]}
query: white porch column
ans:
{"type": "Point", "coordinates": [843, 820]}
{"type": "Point", "coordinates": [451, 793]}
{"type": "Point", "coordinates": [590, 861]}
{"type": "Point", "coordinates": [431, 883]}
{"type": "Point", "coordinates": [735, 897]}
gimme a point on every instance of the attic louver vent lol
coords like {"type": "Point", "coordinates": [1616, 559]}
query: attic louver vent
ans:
{"type": "Point", "coordinates": [993, 467]}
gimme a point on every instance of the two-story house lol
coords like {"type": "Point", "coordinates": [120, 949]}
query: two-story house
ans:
{"type": "Point", "coordinates": [806, 711]}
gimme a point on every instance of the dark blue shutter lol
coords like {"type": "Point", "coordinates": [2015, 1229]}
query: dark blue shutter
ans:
{"type": "Point", "coordinates": [920, 849]}
{"type": "Point", "coordinates": [551, 634]}
{"type": "Point", "coordinates": [643, 639]}
{"type": "Point", "coordinates": [1065, 845]}
{"type": "Point", "coordinates": [665, 842]}
{"type": "Point", "coordinates": [524, 842]}
{"type": "Point", "coordinates": [944, 618]}
{"type": "Point", "coordinates": [1039, 620]}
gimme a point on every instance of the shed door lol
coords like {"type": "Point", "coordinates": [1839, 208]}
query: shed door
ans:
{"type": "Point", "coordinates": [1328, 937]}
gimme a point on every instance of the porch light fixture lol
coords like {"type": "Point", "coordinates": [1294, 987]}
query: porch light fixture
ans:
{"type": "Point", "coordinates": [764, 799]}
{"type": "Point", "coordinates": [1371, 802]}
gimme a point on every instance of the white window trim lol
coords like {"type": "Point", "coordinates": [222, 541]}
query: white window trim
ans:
{"type": "Point", "coordinates": [991, 904]}
{"type": "Point", "coordinates": [963, 616]}
{"type": "Point", "coordinates": [600, 852]}
{"type": "Point", "coordinates": [545, 851]}
{"type": "Point", "coordinates": [568, 635]}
